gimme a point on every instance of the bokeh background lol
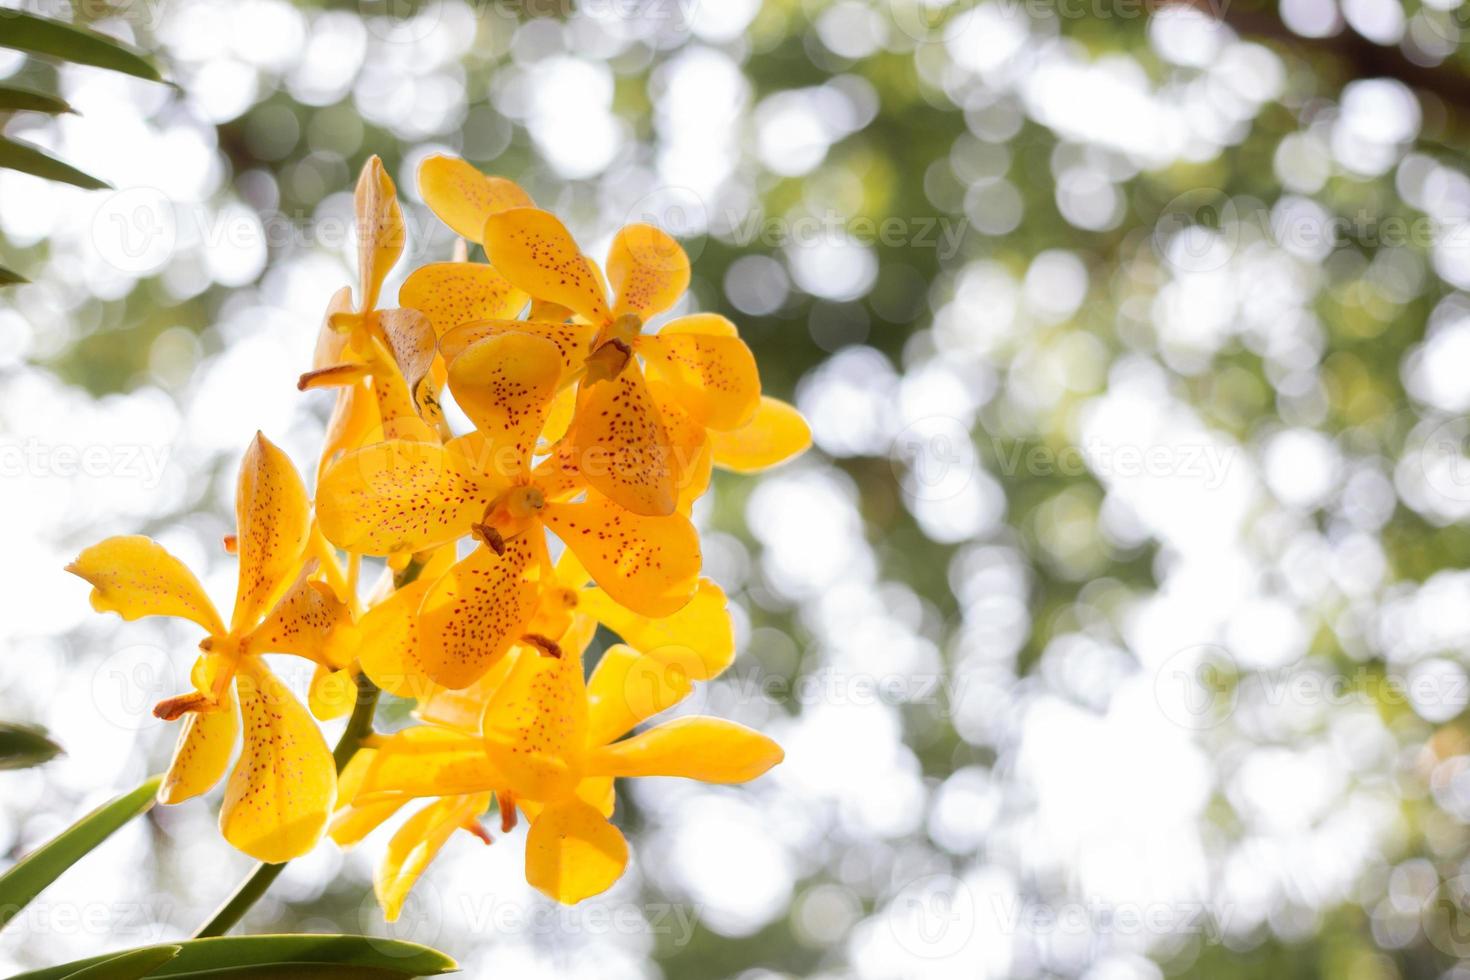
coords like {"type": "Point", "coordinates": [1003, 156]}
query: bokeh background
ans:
{"type": "Point", "coordinates": [1115, 626]}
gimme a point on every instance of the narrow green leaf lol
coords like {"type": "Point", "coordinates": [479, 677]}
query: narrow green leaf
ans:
{"type": "Point", "coordinates": [40, 35]}
{"type": "Point", "coordinates": [15, 155]}
{"type": "Point", "coordinates": [25, 880]}
{"type": "Point", "coordinates": [283, 958]}
{"type": "Point", "coordinates": [16, 99]}
{"type": "Point", "coordinates": [132, 965]}
{"type": "Point", "coordinates": [9, 278]}
{"type": "Point", "coordinates": [23, 746]}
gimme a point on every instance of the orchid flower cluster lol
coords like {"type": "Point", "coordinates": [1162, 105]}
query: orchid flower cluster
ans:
{"type": "Point", "coordinates": [566, 507]}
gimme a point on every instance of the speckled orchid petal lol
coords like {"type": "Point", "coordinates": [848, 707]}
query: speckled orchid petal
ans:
{"type": "Point", "coordinates": [505, 384]}
{"type": "Point", "coordinates": [135, 576]}
{"type": "Point", "coordinates": [403, 496]}
{"type": "Point", "coordinates": [712, 372]}
{"type": "Point", "coordinates": [206, 744]}
{"type": "Point", "coordinates": [273, 520]}
{"type": "Point", "coordinates": [622, 448]}
{"type": "Point", "coordinates": [649, 564]}
{"type": "Point", "coordinates": [647, 270]}
{"type": "Point", "coordinates": [463, 198]}
{"type": "Point", "coordinates": [534, 250]}
{"type": "Point", "coordinates": [455, 293]}
{"type": "Point", "coordinates": [380, 230]}
{"type": "Point", "coordinates": [281, 791]}
{"type": "Point", "coordinates": [535, 726]}
{"type": "Point", "coordinates": [472, 615]}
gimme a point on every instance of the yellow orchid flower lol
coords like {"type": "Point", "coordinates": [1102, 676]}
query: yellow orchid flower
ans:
{"type": "Point", "coordinates": [619, 430]}
{"type": "Point", "coordinates": [281, 789]}
{"type": "Point", "coordinates": [552, 747]}
{"type": "Point", "coordinates": [404, 496]}
{"type": "Point", "coordinates": [394, 348]}
{"type": "Point", "coordinates": [557, 741]}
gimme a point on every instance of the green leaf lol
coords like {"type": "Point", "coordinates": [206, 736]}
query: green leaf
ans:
{"type": "Point", "coordinates": [15, 155]}
{"type": "Point", "coordinates": [25, 880]}
{"type": "Point", "coordinates": [15, 99]}
{"type": "Point", "coordinates": [132, 965]}
{"type": "Point", "coordinates": [9, 278]}
{"type": "Point", "coordinates": [40, 35]}
{"type": "Point", "coordinates": [282, 958]}
{"type": "Point", "coordinates": [23, 746]}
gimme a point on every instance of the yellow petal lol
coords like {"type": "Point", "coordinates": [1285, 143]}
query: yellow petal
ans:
{"type": "Point", "coordinates": [627, 688]}
{"type": "Point", "coordinates": [355, 420]}
{"type": "Point", "coordinates": [596, 791]}
{"type": "Point", "coordinates": [401, 496]}
{"type": "Point", "coordinates": [572, 852]}
{"type": "Point", "coordinates": [462, 197]}
{"type": "Point", "coordinates": [282, 789]}
{"type": "Point", "coordinates": [411, 340]}
{"type": "Point", "coordinates": [462, 709]}
{"type": "Point", "coordinates": [622, 448]}
{"type": "Point", "coordinates": [505, 384]}
{"type": "Point", "coordinates": [301, 623]}
{"type": "Point", "coordinates": [350, 824]}
{"type": "Point", "coordinates": [273, 516]}
{"type": "Point", "coordinates": [390, 651]}
{"type": "Point", "coordinates": [647, 270]}
{"type": "Point", "coordinates": [697, 642]}
{"type": "Point", "coordinates": [714, 376]}
{"type": "Point", "coordinates": [428, 761]}
{"type": "Point", "coordinates": [471, 616]}
{"type": "Point", "coordinates": [203, 753]}
{"type": "Point", "coordinates": [559, 416]}
{"type": "Point", "coordinates": [333, 693]}
{"type": "Point", "coordinates": [534, 250]}
{"type": "Point", "coordinates": [380, 231]}
{"type": "Point", "coordinates": [535, 726]}
{"type": "Point", "coordinates": [452, 293]}
{"type": "Point", "coordinates": [330, 342]}
{"type": "Point", "coordinates": [649, 564]}
{"type": "Point", "coordinates": [135, 576]}
{"type": "Point", "coordinates": [415, 844]}
{"type": "Point", "coordinates": [573, 341]}
{"type": "Point", "coordinates": [712, 750]}
{"type": "Point", "coordinates": [774, 435]}
{"type": "Point", "coordinates": [690, 455]}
